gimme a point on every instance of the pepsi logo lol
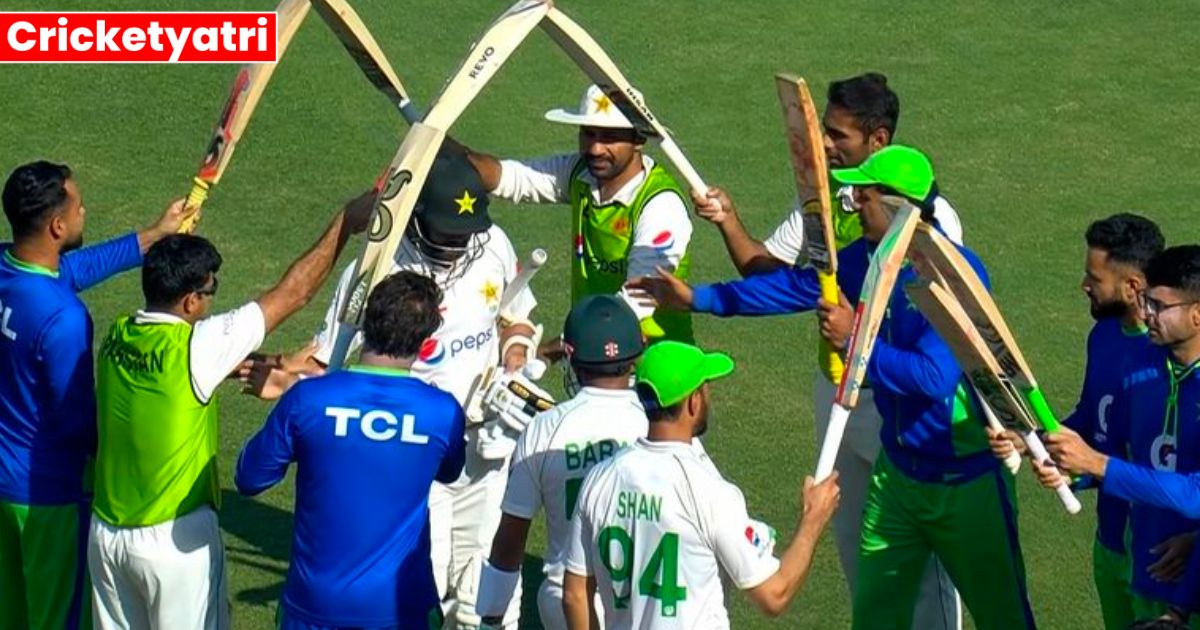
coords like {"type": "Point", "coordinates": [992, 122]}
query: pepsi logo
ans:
{"type": "Point", "coordinates": [432, 352]}
{"type": "Point", "coordinates": [664, 241]}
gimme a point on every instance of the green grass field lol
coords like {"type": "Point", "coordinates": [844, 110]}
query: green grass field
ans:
{"type": "Point", "coordinates": [1040, 117]}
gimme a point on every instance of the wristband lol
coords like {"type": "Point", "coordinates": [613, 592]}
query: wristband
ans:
{"type": "Point", "coordinates": [496, 588]}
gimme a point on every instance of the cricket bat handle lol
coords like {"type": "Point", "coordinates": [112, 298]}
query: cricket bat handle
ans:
{"type": "Point", "coordinates": [685, 168]}
{"type": "Point", "coordinates": [1037, 451]}
{"type": "Point", "coordinates": [832, 361]}
{"type": "Point", "coordinates": [195, 200]}
{"type": "Point", "coordinates": [537, 258]}
{"type": "Point", "coordinates": [409, 110]}
{"type": "Point", "coordinates": [1013, 461]}
{"type": "Point", "coordinates": [341, 346]}
{"type": "Point", "coordinates": [838, 417]}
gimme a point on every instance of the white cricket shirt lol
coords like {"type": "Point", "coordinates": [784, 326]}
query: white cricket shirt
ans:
{"type": "Point", "coordinates": [555, 453]}
{"type": "Point", "coordinates": [655, 525]}
{"type": "Point", "coordinates": [468, 341]}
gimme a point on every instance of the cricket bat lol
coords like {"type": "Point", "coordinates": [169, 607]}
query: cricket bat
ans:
{"type": "Point", "coordinates": [247, 89]}
{"type": "Point", "coordinates": [950, 319]}
{"type": "Point", "coordinates": [409, 168]}
{"type": "Point", "coordinates": [886, 263]}
{"type": "Point", "coordinates": [812, 189]}
{"type": "Point", "coordinates": [600, 68]}
{"type": "Point", "coordinates": [358, 41]}
{"type": "Point", "coordinates": [393, 208]}
{"type": "Point", "coordinates": [537, 258]}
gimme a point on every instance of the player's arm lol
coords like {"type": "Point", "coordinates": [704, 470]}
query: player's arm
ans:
{"type": "Point", "coordinates": [456, 450]}
{"type": "Point", "coordinates": [660, 240]}
{"type": "Point", "coordinates": [771, 584]}
{"type": "Point", "coordinates": [577, 602]}
{"type": "Point", "coordinates": [84, 268]}
{"type": "Point", "coordinates": [928, 369]}
{"type": "Point", "coordinates": [749, 255]}
{"type": "Point", "coordinates": [306, 274]}
{"type": "Point", "coordinates": [65, 353]}
{"type": "Point", "coordinates": [787, 290]}
{"type": "Point", "coordinates": [537, 181]}
{"type": "Point", "coordinates": [522, 501]}
{"type": "Point", "coordinates": [1178, 492]}
{"type": "Point", "coordinates": [264, 459]}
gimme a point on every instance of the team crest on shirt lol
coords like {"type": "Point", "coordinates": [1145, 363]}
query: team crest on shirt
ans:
{"type": "Point", "coordinates": [490, 293]}
{"type": "Point", "coordinates": [621, 226]}
{"type": "Point", "coordinates": [1162, 453]}
{"type": "Point", "coordinates": [432, 352]}
{"type": "Point", "coordinates": [664, 241]}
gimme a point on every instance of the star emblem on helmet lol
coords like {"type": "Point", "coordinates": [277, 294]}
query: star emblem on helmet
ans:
{"type": "Point", "coordinates": [466, 203]}
{"type": "Point", "coordinates": [602, 103]}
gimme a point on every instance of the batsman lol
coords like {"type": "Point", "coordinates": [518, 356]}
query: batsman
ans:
{"type": "Point", "coordinates": [627, 213]}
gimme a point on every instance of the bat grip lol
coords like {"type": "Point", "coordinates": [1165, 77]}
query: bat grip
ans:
{"type": "Point", "coordinates": [838, 417]}
{"type": "Point", "coordinates": [831, 360]}
{"type": "Point", "coordinates": [1041, 409]}
{"type": "Point", "coordinates": [1038, 452]}
{"type": "Point", "coordinates": [410, 112]}
{"type": "Point", "coordinates": [195, 200]}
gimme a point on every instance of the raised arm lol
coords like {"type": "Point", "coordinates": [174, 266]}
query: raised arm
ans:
{"type": "Point", "coordinates": [749, 255]}
{"type": "Point", "coordinates": [84, 268]}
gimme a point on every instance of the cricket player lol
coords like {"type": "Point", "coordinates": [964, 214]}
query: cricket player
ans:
{"type": "Point", "coordinates": [860, 118]}
{"type": "Point", "coordinates": [367, 442]}
{"type": "Point", "coordinates": [657, 525]}
{"type": "Point", "coordinates": [627, 213]}
{"type": "Point", "coordinates": [452, 240]}
{"type": "Point", "coordinates": [935, 489]}
{"type": "Point", "coordinates": [48, 422]}
{"type": "Point", "coordinates": [560, 446]}
{"type": "Point", "coordinates": [1118, 249]}
{"type": "Point", "coordinates": [155, 553]}
{"type": "Point", "coordinates": [1158, 406]}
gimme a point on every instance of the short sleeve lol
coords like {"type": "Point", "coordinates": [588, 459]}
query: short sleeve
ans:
{"type": "Point", "coordinates": [786, 243]}
{"type": "Point", "coordinates": [221, 342]}
{"type": "Point", "coordinates": [660, 239]}
{"type": "Point", "coordinates": [523, 496]}
{"type": "Point", "coordinates": [738, 544]}
{"type": "Point", "coordinates": [580, 558]}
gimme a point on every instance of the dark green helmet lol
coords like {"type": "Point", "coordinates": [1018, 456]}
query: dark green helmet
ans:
{"type": "Point", "coordinates": [602, 329]}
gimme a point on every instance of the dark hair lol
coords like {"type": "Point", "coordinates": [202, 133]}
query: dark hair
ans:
{"type": "Point", "coordinates": [654, 411]}
{"type": "Point", "coordinates": [402, 312]}
{"type": "Point", "coordinates": [869, 99]}
{"type": "Point", "coordinates": [589, 371]}
{"type": "Point", "coordinates": [176, 266]}
{"type": "Point", "coordinates": [1126, 238]}
{"type": "Point", "coordinates": [33, 193]}
{"type": "Point", "coordinates": [1176, 267]}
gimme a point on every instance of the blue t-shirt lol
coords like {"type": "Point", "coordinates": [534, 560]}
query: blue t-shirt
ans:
{"type": "Point", "coordinates": [367, 445]}
{"type": "Point", "coordinates": [1163, 438]}
{"type": "Point", "coordinates": [1109, 345]}
{"type": "Point", "coordinates": [912, 371]}
{"type": "Point", "coordinates": [47, 390]}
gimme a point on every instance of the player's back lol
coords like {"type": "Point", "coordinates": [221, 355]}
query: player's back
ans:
{"type": "Point", "coordinates": [648, 521]}
{"type": "Point", "coordinates": [367, 444]}
{"type": "Point", "coordinates": [557, 451]}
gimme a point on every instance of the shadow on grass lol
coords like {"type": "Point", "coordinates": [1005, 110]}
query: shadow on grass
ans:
{"type": "Point", "coordinates": [265, 534]}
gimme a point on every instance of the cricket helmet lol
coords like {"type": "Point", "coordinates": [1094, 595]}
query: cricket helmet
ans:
{"type": "Point", "coordinates": [450, 219]}
{"type": "Point", "coordinates": [600, 330]}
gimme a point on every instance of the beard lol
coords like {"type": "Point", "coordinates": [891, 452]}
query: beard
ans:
{"type": "Point", "coordinates": [1107, 309]}
{"type": "Point", "coordinates": [73, 244]}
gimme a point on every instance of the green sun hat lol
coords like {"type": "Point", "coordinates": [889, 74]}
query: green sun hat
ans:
{"type": "Point", "coordinates": [672, 370]}
{"type": "Point", "coordinates": [903, 169]}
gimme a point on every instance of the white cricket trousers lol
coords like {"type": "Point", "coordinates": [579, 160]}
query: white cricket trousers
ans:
{"type": "Point", "coordinates": [169, 576]}
{"type": "Point", "coordinates": [550, 605]}
{"type": "Point", "coordinates": [463, 518]}
{"type": "Point", "coordinates": [938, 605]}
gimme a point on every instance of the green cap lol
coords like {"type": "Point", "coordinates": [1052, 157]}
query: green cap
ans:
{"type": "Point", "coordinates": [602, 329]}
{"type": "Point", "coordinates": [672, 370]}
{"type": "Point", "coordinates": [903, 169]}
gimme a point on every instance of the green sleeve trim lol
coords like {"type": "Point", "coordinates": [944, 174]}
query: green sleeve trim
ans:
{"type": "Point", "coordinates": [376, 369]}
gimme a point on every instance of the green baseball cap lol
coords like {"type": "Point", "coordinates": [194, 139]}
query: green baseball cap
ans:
{"type": "Point", "coordinates": [903, 169]}
{"type": "Point", "coordinates": [672, 370]}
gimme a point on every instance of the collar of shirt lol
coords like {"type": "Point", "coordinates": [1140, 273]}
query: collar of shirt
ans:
{"type": "Point", "coordinates": [157, 317]}
{"type": "Point", "coordinates": [597, 392]}
{"type": "Point", "coordinates": [655, 446]}
{"type": "Point", "coordinates": [625, 195]}
{"type": "Point", "coordinates": [27, 267]}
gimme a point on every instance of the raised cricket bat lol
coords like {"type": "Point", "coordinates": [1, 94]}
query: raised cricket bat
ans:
{"type": "Point", "coordinates": [485, 59]}
{"type": "Point", "coordinates": [812, 189]}
{"type": "Point", "coordinates": [949, 318]}
{"type": "Point", "coordinates": [248, 87]}
{"type": "Point", "coordinates": [393, 208]}
{"type": "Point", "coordinates": [873, 300]}
{"type": "Point", "coordinates": [599, 67]}
{"type": "Point", "coordinates": [406, 174]}
{"type": "Point", "coordinates": [358, 41]}
{"type": "Point", "coordinates": [537, 258]}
